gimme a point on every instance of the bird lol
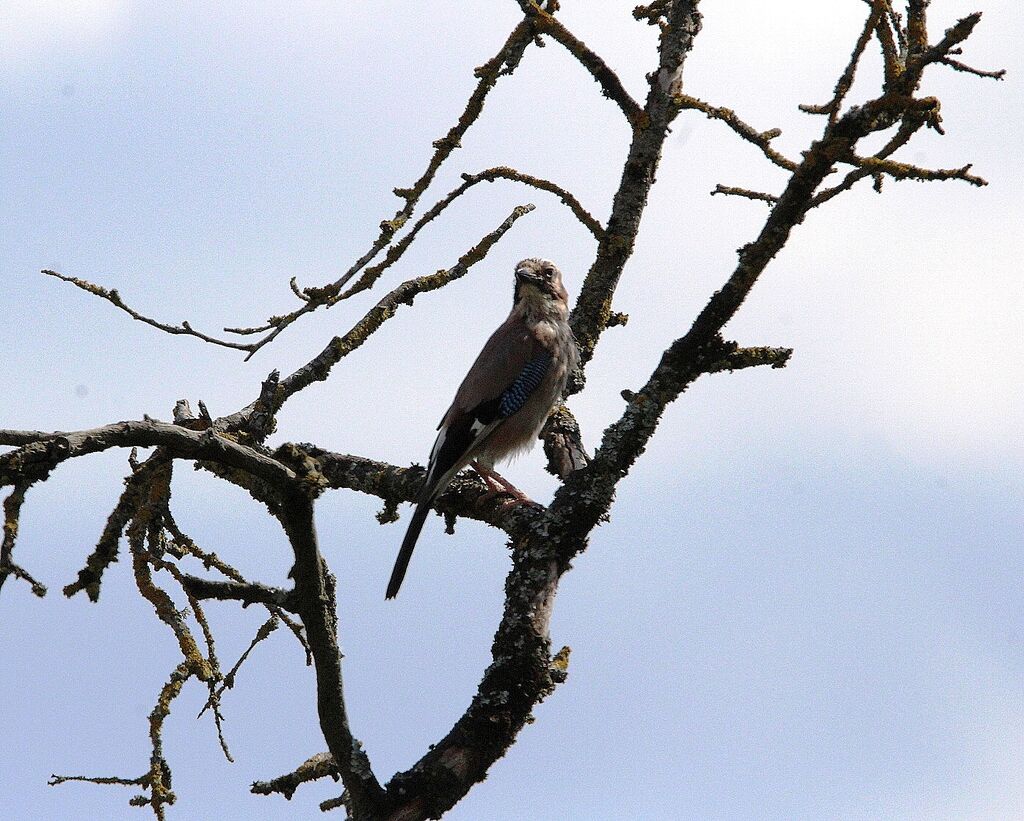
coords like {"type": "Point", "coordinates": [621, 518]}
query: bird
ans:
{"type": "Point", "coordinates": [505, 398]}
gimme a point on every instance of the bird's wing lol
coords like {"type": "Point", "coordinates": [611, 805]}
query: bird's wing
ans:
{"type": "Point", "coordinates": [509, 368]}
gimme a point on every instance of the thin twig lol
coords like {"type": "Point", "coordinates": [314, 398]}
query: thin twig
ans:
{"type": "Point", "coordinates": [157, 780]}
{"type": "Point", "coordinates": [141, 781]}
{"type": "Point", "coordinates": [845, 81]}
{"type": "Point", "coordinates": [12, 514]}
{"type": "Point", "coordinates": [888, 32]}
{"type": "Point", "coordinates": [373, 273]}
{"type": "Point", "coordinates": [245, 592]}
{"type": "Point", "coordinates": [228, 681]}
{"type": "Point", "coordinates": [339, 347]}
{"type": "Point", "coordinates": [313, 768]}
{"type": "Point", "coordinates": [502, 64]}
{"type": "Point", "coordinates": [732, 191]}
{"type": "Point", "coordinates": [114, 298]}
{"type": "Point", "coordinates": [908, 127]}
{"type": "Point", "coordinates": [607, 79]}
{"type": "Point", "coordinates": [216, 677]}
{"type": "Point", "coordinates": [762, 139]}
{"type": "Point", "coordinates": [951, 38]}
{"type": "Point", "coordinates": [956, 65]}
{"type": "Point", "coordinates": [905, 171]}
{"type": "Point", "coordinates": [735, 358]}
{"type": "Point", "coordinates": [185, 545]}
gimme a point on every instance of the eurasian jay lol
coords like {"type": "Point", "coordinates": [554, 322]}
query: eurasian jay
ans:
{"type": "Point", "coordinates": [502, 404]}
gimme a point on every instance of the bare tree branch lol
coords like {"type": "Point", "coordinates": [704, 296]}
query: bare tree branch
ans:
{"type": "Point", "coordinates": [952, 37]}
{"type": "Point", "coordinates": [762, 139]}
{"type": "Point", "coordinates": [504, 62]}
{"type": "Point", "coordinates": [181, 545]}
{"type": "Point", "coordinates": [114, 298]}
{"type": "Point", "coordinates": [245, 592]}
{"type": "Point", "coordinates": [157, 779]}
{"type": "Point", "coordinates": [746, 193]}
{"type": "Point", "coordinates": [905, 171]}
{"type": "Point", "coordinates": [136, 486]}
{"type": "Point", "coordinates": [373, 273]}
{"type": "Point", "coordinates": [314, 598]}
{"type": "Point", "coordinates": [318, 766]}
{"type": "Point", "coordinates": [593, 305]}
{"type": "Point", "coordinates": [908, 127]}
{"type": "Point", "coordinates": [735, 358]}
{"type": "Point", "coordinates": [544, 22]}
{"type": "Point", "coordinates": [566, 197]}
{"type": "Point", "coordinates": [41, 452]}
{"type": "Point", "coordinates": [317, 369]}
{"type": "Point", "coordinates": [12, 514]}
{"type": "Point", "coordinates": [845, 81]}
{"type": "Point", "coordinates": [467, 496]}
{"type": "Point", "coordinates": [228, 681]}
{"type": "Point", "coordinates": [215, 677]}
{"type": "Point", "coordinates": [956, 65]}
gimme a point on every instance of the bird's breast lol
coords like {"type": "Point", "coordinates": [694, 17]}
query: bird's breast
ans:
{"type": "Point", "coordinates": [546, 333]}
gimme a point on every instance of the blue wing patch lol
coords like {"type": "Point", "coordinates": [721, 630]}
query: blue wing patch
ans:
{"type": "Point", "coordinates": [515, 396]}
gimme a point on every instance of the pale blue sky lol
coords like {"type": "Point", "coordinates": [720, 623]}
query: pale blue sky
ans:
{"type": "Point", "coordinates": [807, 603]}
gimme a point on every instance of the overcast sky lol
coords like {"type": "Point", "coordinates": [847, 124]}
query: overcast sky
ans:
{"type": "Point", "coordinates": [807, 603]}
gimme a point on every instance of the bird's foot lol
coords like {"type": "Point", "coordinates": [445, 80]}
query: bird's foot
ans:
{"type": "Point", "coordinates": [498, 485]}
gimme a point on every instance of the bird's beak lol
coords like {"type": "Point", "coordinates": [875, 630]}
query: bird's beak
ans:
{"type": "Point", "coordinates": [526, 275]}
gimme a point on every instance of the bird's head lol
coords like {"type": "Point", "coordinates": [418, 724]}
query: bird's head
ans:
{"type": "Point", "coordinates": [539, 284]}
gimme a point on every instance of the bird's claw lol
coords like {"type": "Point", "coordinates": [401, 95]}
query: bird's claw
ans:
{"type": "Point", "coordinates": [515, 498]}
{"type": "Point", "coordinates": [498, 485]}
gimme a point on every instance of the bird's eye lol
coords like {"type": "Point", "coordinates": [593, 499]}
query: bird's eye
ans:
{"type": "Point", "coordinates": [548, 271]}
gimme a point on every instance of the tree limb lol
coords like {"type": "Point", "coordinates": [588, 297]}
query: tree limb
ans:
{"type": "Point", "coordinates": [41, 452]}
{"type": "Point", "coordinates": [593, 306]}
{"type": "Point", "coordinates": [315, 603]}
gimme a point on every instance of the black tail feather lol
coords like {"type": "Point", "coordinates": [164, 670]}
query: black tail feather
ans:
{"type": "Point", "coordinates": [408, 543]}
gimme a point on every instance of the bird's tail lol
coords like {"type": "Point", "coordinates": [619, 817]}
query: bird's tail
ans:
{"type": "Point", "coordinates": [408, 543]}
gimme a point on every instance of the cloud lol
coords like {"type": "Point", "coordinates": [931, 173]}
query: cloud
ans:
{"type": "Point", "coordinates": [34, 30]}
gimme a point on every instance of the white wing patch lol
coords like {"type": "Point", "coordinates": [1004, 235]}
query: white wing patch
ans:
{"type": "Point", "coordinates": [478, 430]}
{"type": "Point", "coordinates": [432, 464]}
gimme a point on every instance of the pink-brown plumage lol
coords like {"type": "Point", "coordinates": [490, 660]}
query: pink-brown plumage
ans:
{"type": "Point", "coordinates": [505, 398]}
